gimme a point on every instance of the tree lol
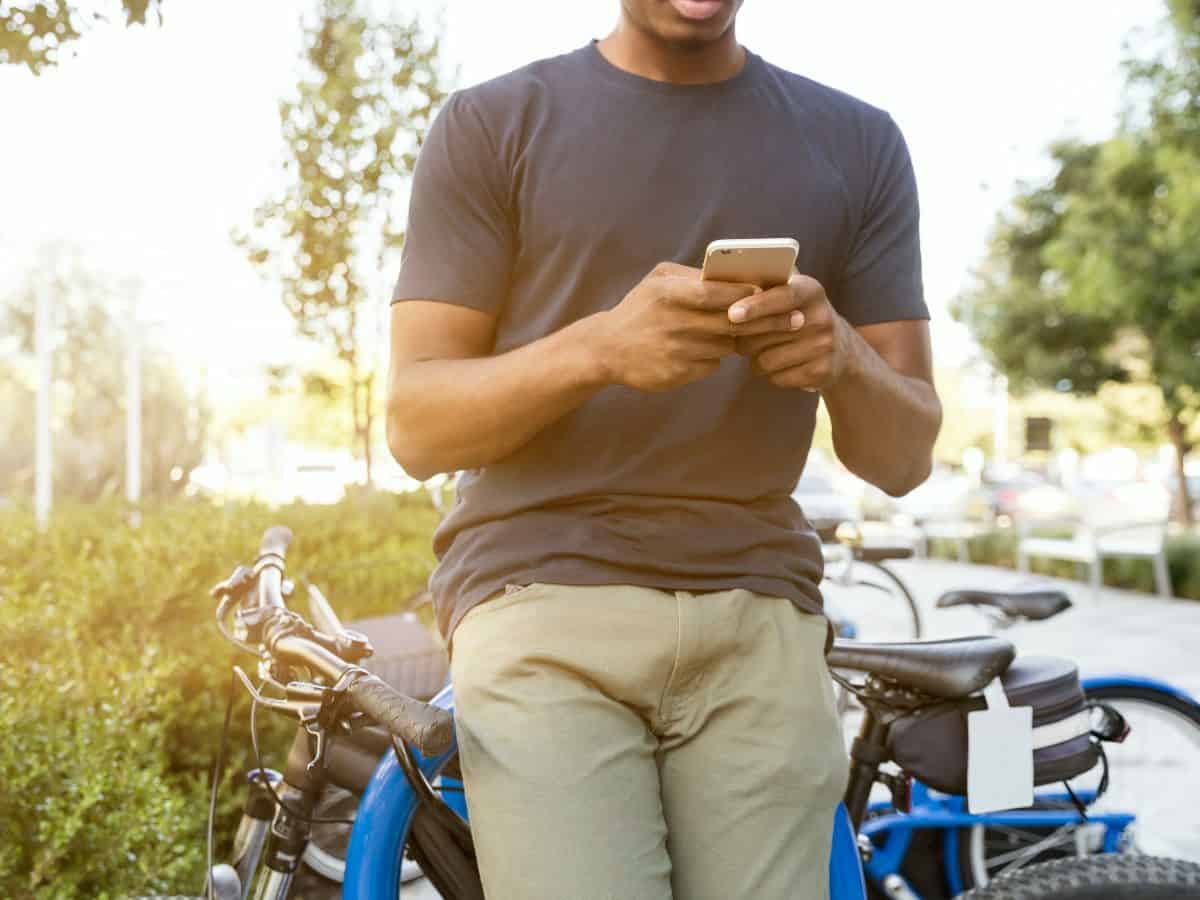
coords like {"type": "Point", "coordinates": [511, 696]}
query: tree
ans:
{"type": "Point", "coordinates": [1094, 277]}
{"type": "Point", "coordinates": [89, 359]}
{"type": "Point", "coordinates": [1015, 309]}
{"type": "Point", "coordinates": [352, 132]}
{"type": "Point", "coordinates": [33, 33]}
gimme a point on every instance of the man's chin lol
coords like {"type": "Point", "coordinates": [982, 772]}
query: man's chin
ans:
{"type": "Point", "coordinates": [698, 11]}
{"type": "Point", "coordinates": [694, 23]}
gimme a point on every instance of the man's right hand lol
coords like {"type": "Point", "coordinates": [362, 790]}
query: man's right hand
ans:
{"type": "Point", "coordinates": [670, 330]}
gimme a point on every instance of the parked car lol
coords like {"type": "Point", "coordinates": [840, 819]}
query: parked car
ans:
{"type": "Point", "coordinates": [823, 505]}
{"type": "Point", "coordinates": [943, 495]}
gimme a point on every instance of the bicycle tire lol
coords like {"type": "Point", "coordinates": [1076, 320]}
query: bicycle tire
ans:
{"type": "Point", "coordinates": [974, 841]}
{"type": "Point", "coordinates": [853, 597]}
{"type": "Point", "coordinates": [1147, 694]}
{"type": "Point", "coordinates": [1178, 764]}
{"type": "Point", "coordinates": [1113, 877]}
{"type": "Point", "coordinates": [913, 609]}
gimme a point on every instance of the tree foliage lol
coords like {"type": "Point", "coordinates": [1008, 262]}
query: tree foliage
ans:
{"type": "Point", "coordinates": [89, 398]}
{"type": "Point", "coordinates": [352, 131]}
{"type": "Point", "coordinates": [1016, 310]}
{"type": "Point", "coordinates": [1094, 276]}
{"type": "Point", "coordinates": [33, 34]}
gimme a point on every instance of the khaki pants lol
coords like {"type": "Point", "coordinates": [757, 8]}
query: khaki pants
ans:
{"type": "Point", "coordinates": [623, 742]}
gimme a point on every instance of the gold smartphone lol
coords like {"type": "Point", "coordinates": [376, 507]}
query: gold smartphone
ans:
{"type": "Point", "coordinates": [766, 262]}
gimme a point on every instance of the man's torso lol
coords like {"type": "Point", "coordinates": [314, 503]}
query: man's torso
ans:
{"type": "Point", "coordinates": [608, 174]}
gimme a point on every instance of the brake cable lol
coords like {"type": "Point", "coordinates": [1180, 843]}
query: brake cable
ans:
{"type": "Point", "coordinates": [218, 767]}
{"type": "Point", "coordinates": [310, 820]}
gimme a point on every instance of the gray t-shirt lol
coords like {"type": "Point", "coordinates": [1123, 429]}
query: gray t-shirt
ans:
{"type": "Point", "coordinates": [543, 196]}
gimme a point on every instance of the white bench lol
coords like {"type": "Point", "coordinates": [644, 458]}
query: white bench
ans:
{"type": "Point", "coordinates": [959, 531]}
{"type": "Point", "coordinates": [1098, 533]}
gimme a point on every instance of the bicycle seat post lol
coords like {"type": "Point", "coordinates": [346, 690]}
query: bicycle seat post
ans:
{"type": "Point", "coordinates": [867, 753]}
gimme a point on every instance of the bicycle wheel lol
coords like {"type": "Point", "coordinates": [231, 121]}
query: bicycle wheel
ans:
{"type": "Point", "coordinates": [1112, 877]}
{"type": "Point", "coordinates": [873, 601]}
{"type": "Point", "coordinates": [1154, 774]}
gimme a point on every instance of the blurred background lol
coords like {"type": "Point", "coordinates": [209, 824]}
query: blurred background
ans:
{"type": "Point", "coordinates": [200, 221]}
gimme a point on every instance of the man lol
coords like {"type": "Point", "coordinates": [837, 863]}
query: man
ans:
{"type": "Point", "coordinates": [629, 590]}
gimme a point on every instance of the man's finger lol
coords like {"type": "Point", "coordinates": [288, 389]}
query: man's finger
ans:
{"type": "Point", "coordinates": [795, 295]}
{"type": "Point", "coordinates": [711, 346]}
{"type": "Point", "coordinates": [755, 344]}
{"type": "Point", "coordinates": [775, 301]}
{"type": "Point", "coordinates": [787, 355]}
{"type": "Point", "coordinates": [677, 270]}
{"type": "Point", "coordinates": [785, 324]}
{"type": "Point", "coordinates": [710, 295]}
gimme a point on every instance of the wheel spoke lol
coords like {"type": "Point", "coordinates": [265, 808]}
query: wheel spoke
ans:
{"type": "Point", "coordinates": [1016, 859]}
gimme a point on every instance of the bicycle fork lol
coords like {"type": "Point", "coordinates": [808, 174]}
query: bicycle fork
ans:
{"type": "Point", "coordinates": [269, 842]}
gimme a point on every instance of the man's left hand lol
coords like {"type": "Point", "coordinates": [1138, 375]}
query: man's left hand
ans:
{"type": "Point", "coordinates": [813, 345]}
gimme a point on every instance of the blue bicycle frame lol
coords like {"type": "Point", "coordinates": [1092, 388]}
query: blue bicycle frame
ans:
{"type": "Point", "coordinates": [387, 807]}
{"type": "Point", "coordinates": [892, 832]}
{"type": "Point", "coordinates": [1137, 681]}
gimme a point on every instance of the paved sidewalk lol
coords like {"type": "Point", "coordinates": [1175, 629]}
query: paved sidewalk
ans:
{"type": "Point", "coordinates": [1120, 631]}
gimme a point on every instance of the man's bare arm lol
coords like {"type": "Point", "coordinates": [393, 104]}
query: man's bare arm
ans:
{"type": "Point", "coordinates": [452, 405]}
{"type": "Point", "coordinates": [884, 409]}
{"type": "Point", "coordinates": [877, 380]}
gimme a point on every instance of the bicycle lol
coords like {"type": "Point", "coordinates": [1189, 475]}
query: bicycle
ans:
{"type": "Point", "coordinates": [856, 574]}
{"type": "Point", "coordinates": [401, 808]}
{"type": "Point", "coordinates": [938, 846]}
{"type": "Point", "coordinates": [1165, 739]}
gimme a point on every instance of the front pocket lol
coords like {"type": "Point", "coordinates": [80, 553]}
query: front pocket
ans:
{"type": "Point", "coordinates": [513, 594]}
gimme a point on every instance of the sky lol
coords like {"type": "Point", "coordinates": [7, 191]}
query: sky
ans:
{"type": "Point", "coordinates": [149, 146]}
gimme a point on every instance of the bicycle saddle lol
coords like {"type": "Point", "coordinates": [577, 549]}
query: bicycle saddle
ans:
{"type": "Point", "coordinates": [948, 669]}
{"type": "Point", "coordinates": [883, 552]}
{"type": "Point", "coordinates": [1035, 604]}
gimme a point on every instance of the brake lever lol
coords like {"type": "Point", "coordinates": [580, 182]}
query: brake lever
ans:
{"type": "Point", "coordinates": [299, 708]}
{"type": "Point", "coordinates": [350, 645]}
{"type": "Point", "coordinates": [235, 584]}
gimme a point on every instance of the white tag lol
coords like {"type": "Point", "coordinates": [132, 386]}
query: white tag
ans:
{"type": "Point", "coordinates": [999, 754]}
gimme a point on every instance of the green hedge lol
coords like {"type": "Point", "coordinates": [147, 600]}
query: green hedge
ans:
{"type": "Point", "coordinates": [999, 548]}
{"type": "Point", "coordinates": [113, 677]}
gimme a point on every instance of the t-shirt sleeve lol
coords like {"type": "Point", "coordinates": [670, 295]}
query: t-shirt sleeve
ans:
{"type": "Point", "coordinates": [458, 244]}
{"type": "Point", "coordinates": [881, 280]}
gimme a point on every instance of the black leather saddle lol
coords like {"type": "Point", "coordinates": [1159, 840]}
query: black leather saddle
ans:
{"type": "Point", "coordinates": [883, 552]}
{"type": "Point", "coordinates": [948, 669]}
{"type": "Point", "coordinates": [1036, 604]}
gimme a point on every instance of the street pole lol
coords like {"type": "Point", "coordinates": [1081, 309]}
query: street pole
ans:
{"type": "Point", "coordinates": [1000, 421]}
{"type": "Point", "coordinates": [133, 422]}
{"type": "Point", "coordinates": [43, 341]}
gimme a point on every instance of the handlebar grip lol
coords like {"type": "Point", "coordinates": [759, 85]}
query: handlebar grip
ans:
{"type": "Point", "coordinates": [428, 728]}
{"type": "Point", "coordinates": [275, 541]}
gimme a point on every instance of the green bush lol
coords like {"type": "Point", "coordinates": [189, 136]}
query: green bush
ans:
{"type": "Point", "coordinates": [113, 677]}
{"type": "Point", "coordinates": [999, 548]}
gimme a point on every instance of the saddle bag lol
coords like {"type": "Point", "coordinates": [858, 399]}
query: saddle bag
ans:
{"type": "Point", "coordinates": [931, 743]}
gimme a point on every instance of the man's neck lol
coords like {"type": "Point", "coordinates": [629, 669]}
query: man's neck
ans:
{"type": "Point", "coordinates": [635, 51]}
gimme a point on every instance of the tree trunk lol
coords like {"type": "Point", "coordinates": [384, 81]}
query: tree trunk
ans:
{"type": "Point", "coordinates": [368, 422]}
{"type": "Point", "coordinates": [1178, 433]}
{"type": "Point", "coordinates": [354, 400]}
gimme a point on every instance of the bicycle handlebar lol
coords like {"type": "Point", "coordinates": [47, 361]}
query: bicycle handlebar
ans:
{"type": "Point", "coordinates": [275, 541]}
{"type": "Point", "coordinates": [428, 728]}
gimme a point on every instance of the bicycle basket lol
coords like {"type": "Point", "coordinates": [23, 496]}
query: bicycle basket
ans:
{"type": "Point", "coordinates": [931, 743]}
